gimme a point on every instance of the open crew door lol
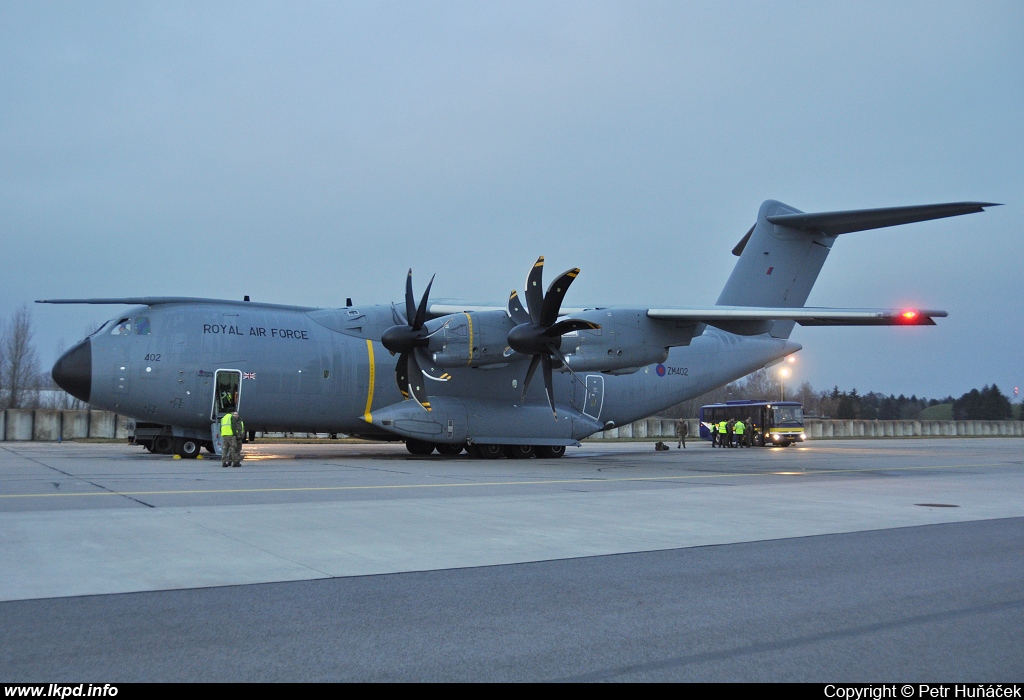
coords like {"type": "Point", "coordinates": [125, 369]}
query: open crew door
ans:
{"type": "Point", "coordinates": [227, 388]}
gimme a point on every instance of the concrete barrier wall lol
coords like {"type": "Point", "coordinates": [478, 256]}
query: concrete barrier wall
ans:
{"type": "Point", "coordinates": [825, 429]}
{"type": "Point", "coordinates": [102, 424]}
{"type": "Point", "coordinates": [47, 424]}
{"type": "Point", "coordinates": [123, 427]}
{"type": "Point", "coordinates": [75, 424]}
{"type": "Point", "coordinates": [19, 424]}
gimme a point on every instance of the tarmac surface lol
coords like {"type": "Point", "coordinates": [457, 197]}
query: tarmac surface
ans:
{"type": "Point", "coordinates": [870, 560]}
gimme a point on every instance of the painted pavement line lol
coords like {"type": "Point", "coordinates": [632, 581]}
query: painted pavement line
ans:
{"type": "Point", "coordinates": [538, 482]}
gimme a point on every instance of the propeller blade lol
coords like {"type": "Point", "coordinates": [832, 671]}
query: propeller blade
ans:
{"type": "Point", "coordinates": [534, 361]}
{"type": "Point", "coordinates": [556, 293]}
{"type": "Point", "coordinates": [569, 325]}
{"type": "Point", "coordinates": [515, 309]}
{"type": "Point", "coordinates": [410, 302]}
{"type": "Point", "coordinates": [421, 313]}
{"type": "Point", "coordinates": [561, 358]}
{"type": "Point", "coordinates": [534, 291]}
{"type": "Point", "coordinates": [402, 374]}
{"type": "Point", "coordinates": [545, 360]}
{"type": "Point", "coordinates": [426, 366]}
{"type": "Point", "coordinates": [416, 387]}
{"type": "Point", "coordinates": [396, 315]}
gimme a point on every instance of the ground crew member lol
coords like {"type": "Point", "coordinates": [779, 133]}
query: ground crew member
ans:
{"type": "Point", "coordinates": [682, 430]}
{"type": "Point", "coordinates": [750, 432]}
{"type": "Point", "coordinates": [730, 427]}
{"type": "Point", "coordinates": [723, 433]}
{"type": "Point", "coordinates": [232, 430]}
{"type": "Point", "coordinates": [740, 429]}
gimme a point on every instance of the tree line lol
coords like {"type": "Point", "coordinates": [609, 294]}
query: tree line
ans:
{"type": "Point", "coordinates": [988, 403]}
{"type": "Point", "coordinates": [22, 383]}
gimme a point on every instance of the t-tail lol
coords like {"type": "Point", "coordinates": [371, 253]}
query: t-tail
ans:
{"type": "Point", "coordinates": [782, 254]}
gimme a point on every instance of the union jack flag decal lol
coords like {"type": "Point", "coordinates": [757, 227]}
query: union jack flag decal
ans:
{"type": "Point", "coordinates": [248, 375]}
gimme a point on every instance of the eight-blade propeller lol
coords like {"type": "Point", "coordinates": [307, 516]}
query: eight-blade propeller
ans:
{"type": "Point", "coordinates": [410, 338]}
{"type": "Point", "coordinates": [537, 333]}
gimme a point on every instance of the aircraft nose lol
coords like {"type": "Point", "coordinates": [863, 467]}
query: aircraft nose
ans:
{"type": "Point", "coordinates": [73, 371]}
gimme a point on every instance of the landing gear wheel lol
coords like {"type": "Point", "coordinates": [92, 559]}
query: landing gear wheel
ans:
{"type": "Point", "coordinates": [550, 451]}
{"type": "Point", "coordinates": [149, 446]}
{"type": "Point", "coordinates": [208, 446]}
{"type": "Point", "coordinates": [163, 444]}
{"type": "Point", "coordinates": [450, 450]}
{"type": "Point", "coordinates": [186, 448]}
{"type": "Point", "coordinates": [518, 451]}
{"type": "Point", "coordinates": [419, 447]}
{"type": "Point", "coordinates": [490, 451]}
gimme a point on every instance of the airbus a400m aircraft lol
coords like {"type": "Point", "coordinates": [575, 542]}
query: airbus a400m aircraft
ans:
{"type": "Point", "coordinates": [451, 378]}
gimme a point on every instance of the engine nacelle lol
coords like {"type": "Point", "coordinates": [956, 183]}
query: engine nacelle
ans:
{"type": "Point", "coordinates": [472, 339]}
{"type": "Point", "coordinates": [626, 341]}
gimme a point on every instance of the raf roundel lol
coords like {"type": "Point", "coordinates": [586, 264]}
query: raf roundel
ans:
{"type": "Point", "coordinates": [660, 369]}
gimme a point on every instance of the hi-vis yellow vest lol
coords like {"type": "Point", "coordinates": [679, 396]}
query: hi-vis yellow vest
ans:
{"type": "Point", "coordinates": [225, 426]}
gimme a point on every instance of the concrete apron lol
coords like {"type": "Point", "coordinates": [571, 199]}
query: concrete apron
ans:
{"type": "Point", "coordinates": [117, 550]}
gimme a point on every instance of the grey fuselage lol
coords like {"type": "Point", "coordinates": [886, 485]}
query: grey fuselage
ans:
{"type": "Point", "coordinates": [324, 370]}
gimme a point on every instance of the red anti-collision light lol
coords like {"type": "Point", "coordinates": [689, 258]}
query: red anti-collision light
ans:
{"type": "Point", "coordinates": [909, 315]}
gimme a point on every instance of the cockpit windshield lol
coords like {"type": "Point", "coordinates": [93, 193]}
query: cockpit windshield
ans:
{"type": "Point", "coordinates": [788, 415]}
{"type": "Point", "coordinates": [123, 327]}
{"type": "Point", "coordinates": [102, 328]}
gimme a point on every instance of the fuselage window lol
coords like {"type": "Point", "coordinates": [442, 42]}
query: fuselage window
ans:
{"type": "Point", "coordinates": [123, 327]}
{"type": "Point", "coordinates": [142, 326]}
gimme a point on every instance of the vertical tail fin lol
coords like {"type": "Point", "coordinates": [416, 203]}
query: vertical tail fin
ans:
{"type": "Point", "coordinates": [781, 256]}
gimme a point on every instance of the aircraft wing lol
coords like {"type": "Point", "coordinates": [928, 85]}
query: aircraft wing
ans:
{"type": "Point", "coordinates": [805, 316]}
{"type": "Point", "coordinates": [714, 315]}
{"type": "Point", "coordinates": [155, 301]}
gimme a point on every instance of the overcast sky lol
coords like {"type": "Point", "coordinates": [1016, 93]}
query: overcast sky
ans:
{"type": "Point", "coordinates": [305, 152]}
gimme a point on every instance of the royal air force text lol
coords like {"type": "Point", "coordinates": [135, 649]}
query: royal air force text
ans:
{"type": "Point", "coordinates": [255, 331]}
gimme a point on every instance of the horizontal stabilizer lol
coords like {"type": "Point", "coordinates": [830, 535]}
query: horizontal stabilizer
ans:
{"type": "Point", "coordinates": [805, 316]}
{"type": "Point", "coordinates": [834, 223]}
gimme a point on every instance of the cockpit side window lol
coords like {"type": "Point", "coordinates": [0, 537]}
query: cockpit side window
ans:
{"type": "Point", "coordinates": [142, 326]}
{"type": "Point", "coordinates": [123, 327]}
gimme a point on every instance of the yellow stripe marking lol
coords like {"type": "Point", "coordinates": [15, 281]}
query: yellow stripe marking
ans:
{"type": "Point", "coordinates": [369, 391]}
{"type": "Point", "coordinates": [536, 482]}
{"type": "Point", "coordinates": [469, 319]}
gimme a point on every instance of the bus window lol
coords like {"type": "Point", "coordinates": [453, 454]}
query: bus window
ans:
{"type": "Point", "coordinates": [791, 415]}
